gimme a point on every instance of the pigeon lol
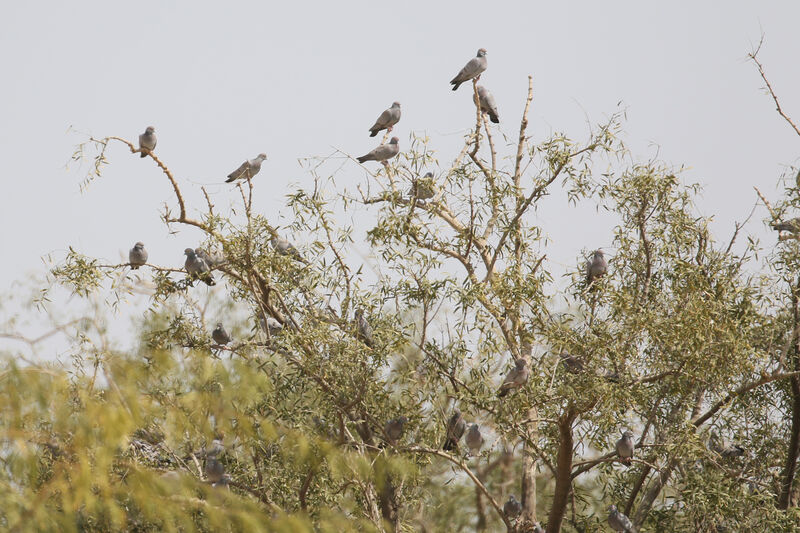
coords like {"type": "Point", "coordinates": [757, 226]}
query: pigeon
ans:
{"type": "Point", "coordinates": [516, 377]}
{"type": "Point", "coordinates": [212, 260]}
{"type": "Point", "coordinates": [363, 329]}
{"type": "Point", "coordinates": [214, 449]}
{"type": "Point", "coordinates": [394, 429]}
{"type": "Point", "coordinates": [596, 267]}
{"type": "Point", "coordinates": [472, 69]}
{"type": "Point", "coordinates": [455, 429]}
{"type": "Point", "coordinates": [271, 326]}
{"type": "Point", "coordinates": [792, 226]}
{"type": "Point", "coordinates": [220, 336]}
{"type": "Point", "coordinates": [474, 439]}
{"type": "Point", "coordinates": [284, 247]}
{"type": "Point", "coordinates": [248, 169]}
{"type": "Point", "coordinates": [197, 268]}
{"type": "Point", "coordinates": [618, 521]}
{"type": "Point", "coordinates": [716, 444]}
{"type": "Point", "coordinates": [487, 104]}
{"type": "Point", "coordinates": [537, 528]}
{"type": "Point", "coordinates": [423, 188]}
{"type": "Point", "coordinates": [147, 141]}
{"type": "Point", "coordinates": [137, 256]}
{"type": "Point", "coordinates": [573, 364]}
{"type": "Point", "coordinates": [383, 152]}
{"type": "Point", "coordinates": [388, 118]}
{"type": "Point", "coordinates": [625, 447]}
{"type": "Point", "coordinates": [512, 508]}
{"type": "Point", "coordinates": [214, 470]}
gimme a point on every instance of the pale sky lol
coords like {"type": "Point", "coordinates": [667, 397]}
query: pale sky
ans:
{"type": "Point", "coordinates": [222, 82]}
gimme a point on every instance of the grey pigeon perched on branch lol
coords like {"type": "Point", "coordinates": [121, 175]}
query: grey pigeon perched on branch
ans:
{"type": "Point", "coordinates": [474, 439]}
{"type": "Point", "coordinates": [137, 256]}
{"type": "Point", "coordinates": [716, 444]}
{"type": "Point", "coordinates": [197, 268]}
{"type": "Point", "coordinates": [383, 152]}
{"type": "Point", "coordinates": [618, 521]}
{"type": "Point", "coordinates": [487, 104]}
{"type": "Point", "coordinates": [284, 247]}
{"type": "Point", "coordinates": [388, 118]}
{"type": "Point", "coordinates": [363, 329]}
{"type": "Point", "coordinates": [596, 267]}
{"type": "Point", "coordinates": [573, 364]}
{"type": "Point", "coordinates": [214, 469]}
{"type": "Point", "coordinates": [220, 336]}
{"type": "Point", "coordinates": [147, 141]}
{"type": "Point", "coordinates": [625, 447]}
{"type": "Point", "coordinates": [212, 260]}
{"type": "Point", "coordinates": [516, 377]}
{"type": "Point", "coordinates": [472, 69]}
{"type": "Point", "coordinates": [248, 169]}
{"type": "Point", "coordinates": [423, 188]}
{"type": "Point", "coordinates": [271, 326]}
{"type": "Point", "coordinates": [512, 508]}
{"type": "Point", "coordinates": [394, 429]}
{"type": "Point", "coordinates": [792, 226]}
{"type": "Point", "coordinates": [454, 430]}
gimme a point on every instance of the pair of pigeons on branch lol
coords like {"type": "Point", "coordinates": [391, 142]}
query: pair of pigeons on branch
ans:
{"type": "Point", "coordinates": [247, 170]}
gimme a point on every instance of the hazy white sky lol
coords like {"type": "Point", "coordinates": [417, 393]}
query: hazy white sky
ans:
{"type": "Point", "coordinates": [222, 82]}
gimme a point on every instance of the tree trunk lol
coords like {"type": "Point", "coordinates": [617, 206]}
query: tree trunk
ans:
{"type": "Point", "coordinates": [563, 474]}
{"type": "Point", "coordinates": [652, 493]}
{"type": "Point", "coordinates": [528, 462]}
{"type": "Point", "coordinates": [790, 466]}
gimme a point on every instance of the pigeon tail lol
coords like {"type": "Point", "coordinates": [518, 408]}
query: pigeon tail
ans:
{"type": "Point", "coordinates": [144, 154]}
{"type": "Point", "coordinates": [361, 159]}
{"type": "Point", "coordinates": [373, 133]}
{"type": "Point", "coordinates": [230, 179]}
{"type": "Point", "coordinates": [494, 118]}
{"type": "Point", "coordinates": [456, 85]}
{"type": "Point", "coordinates": [450, 444]}
{"type": "Point", "coordinates": [783, 226]}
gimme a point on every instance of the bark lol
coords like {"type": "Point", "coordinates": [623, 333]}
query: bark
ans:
{"type": "Point", "coordinates": [790, 466]}
{"type": "Point", "coordinates": [652, 493]}
{"type": "Point", "coordinates": [481, 524]}
{"type": "Point", "coordinates": [528, 462]}
{"type": "Point", "coordinates": [387, 501]}
{"type": "Point", "coordinates": [563, 473]}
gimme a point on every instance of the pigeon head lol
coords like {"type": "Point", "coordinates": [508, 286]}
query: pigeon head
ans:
{"type": "Point", "coordinates": [521, 363]}
{"type": "Point", "coordinates": [394, 140]}
{"type": "Point", "coordinates": [262, 156]}
{"type": "Point", "coordinates": [150, 130]}
{"type": "Point", "coordinates": [612, 508]}
{"type": "Point", "coordinates": [456, 411]}
{"type": "Point", "coordinates": [627, 433]}
{"type": "Point", "coordinates": [403, 420]}
{"type": "Point", "coordinates": [395, 104]}
{"type": "Point", "coordinates": [481, 52]}
{"type": "Point", "coordinates": [139, 245]}
{"type": "Point", "coordinates": [599, 253]}
{"type": "Point", "coordinates": [219, 325]}
{"type": "Point", "coordinates": [359, 312]}
{"type": "Point", "coordinates": [188, 252]}
{"type": "Point", "coordinates": [428, 175]}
